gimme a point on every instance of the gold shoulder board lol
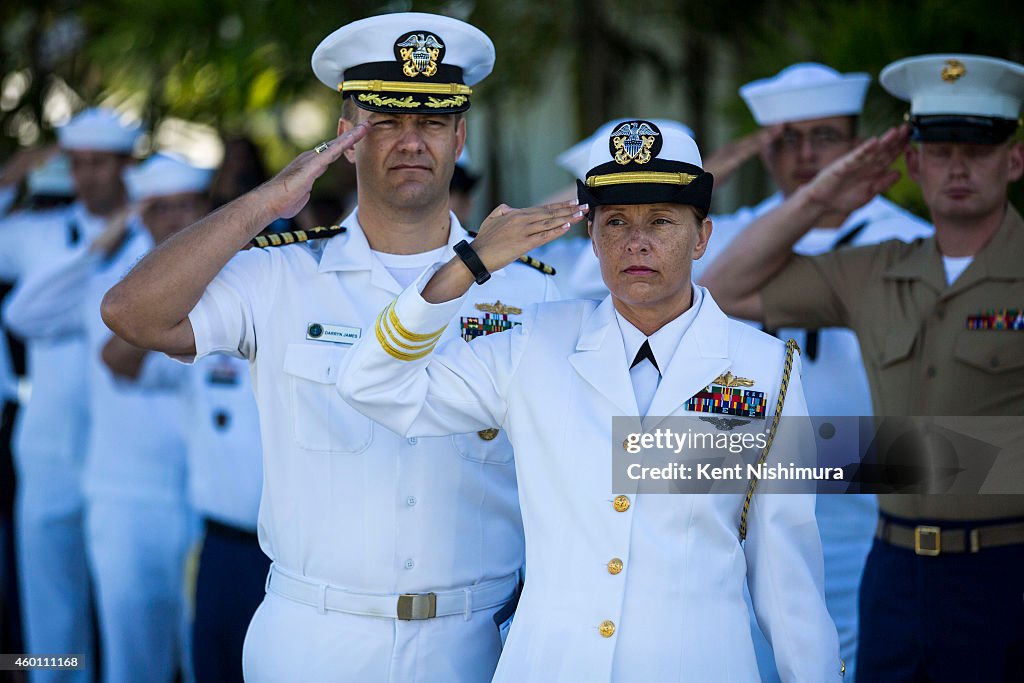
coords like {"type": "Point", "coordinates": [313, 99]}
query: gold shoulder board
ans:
{"type": "Point", "coordinates": [280, 239]}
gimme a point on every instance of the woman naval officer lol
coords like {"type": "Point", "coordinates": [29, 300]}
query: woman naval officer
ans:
{"type": "Point", "coordinates": [620, 587]}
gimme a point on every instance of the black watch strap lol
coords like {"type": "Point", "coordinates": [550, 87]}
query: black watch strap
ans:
{"type": "Point", "coordinates": [473, 262]}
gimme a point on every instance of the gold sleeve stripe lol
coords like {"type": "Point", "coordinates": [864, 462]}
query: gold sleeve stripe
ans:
{"type": "Point", "coordinates": [398, 341]}
{"type": "Point", "coordinates": [641, 177]}
{"type": "Point", "coordinates": [406, 334]}
{"type": "Point", "coordinates": [402, 86]}
{"type": "Point", "coordinates": [392, 351]}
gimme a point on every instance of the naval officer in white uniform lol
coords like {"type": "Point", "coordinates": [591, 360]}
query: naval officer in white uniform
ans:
{"type": "Point", "coordinates": [391, 554]}
{"type": "Point", "coordinates": [618, 588]}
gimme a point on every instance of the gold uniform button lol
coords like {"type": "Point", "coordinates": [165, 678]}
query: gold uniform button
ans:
{"type": "Point", "coordinates": [607, 628]}
{"type": "Point", "coordinates": [621, 503]}
{"type": "Point", "coordinates": [488, 434]}
{"type": "Point", "coordinates": [614, 565]}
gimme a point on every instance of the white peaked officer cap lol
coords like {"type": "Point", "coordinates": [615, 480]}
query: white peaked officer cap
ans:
{"type": "Point", "coordinates": [958, 98]}
{"type": "Point", "coordinates": [162, 174]}
{"type": "Point", "coordinates": [52, 179]}
{"type": "Point", "coordinates": [100, 130]}
{"type": "Point", "coordinates": [405, 63]}
{"type": "Point", "coordinates": [576, 159]}
{"type": "Point", "coordinates": [638, 162]}
{"type": "Point", "coordinates": [805, 91]}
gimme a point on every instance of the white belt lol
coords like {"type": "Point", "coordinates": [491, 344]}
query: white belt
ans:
{"type": "Point", "coordinates": [407, 607]}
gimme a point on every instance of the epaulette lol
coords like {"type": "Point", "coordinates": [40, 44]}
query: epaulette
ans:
{"type": "Point", "coordinates": [280, 239]}
{"type": "Point", "coordinates": [529, 261]}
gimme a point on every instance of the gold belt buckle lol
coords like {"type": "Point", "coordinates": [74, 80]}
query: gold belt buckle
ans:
{"type": "Point", "coordinates": [416, 606]}
{"type": "Point", "coordinates": [932, 540]}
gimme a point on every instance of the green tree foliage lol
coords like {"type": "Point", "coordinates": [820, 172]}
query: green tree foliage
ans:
{"type": "Point", "coordinates": [238, 65]}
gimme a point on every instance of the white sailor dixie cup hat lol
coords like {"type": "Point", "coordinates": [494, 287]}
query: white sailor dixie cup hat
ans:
{"type": "Point", "coordinates": [98, 129]}
{"type": "Point", "coordinates": [805, 91]}
{"type": "Point", "coordinates": [405, 63]}
{"type": "Point", "coordinates": [163, 174]}
{"type": "Point", "coordinates": [958, 98]}
{"type": "Point", "coordinates": [638, 162]}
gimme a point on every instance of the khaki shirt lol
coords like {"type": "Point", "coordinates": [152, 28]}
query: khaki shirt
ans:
{"type": "Point", "coordinates": [919, 354]}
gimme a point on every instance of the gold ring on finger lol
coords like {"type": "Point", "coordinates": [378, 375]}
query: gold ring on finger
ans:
{"type": "Point", "coordinates": [322, 147]}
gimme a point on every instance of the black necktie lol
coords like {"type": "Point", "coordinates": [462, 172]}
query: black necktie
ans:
{"type": "Point", "coordinates": [645, 352]}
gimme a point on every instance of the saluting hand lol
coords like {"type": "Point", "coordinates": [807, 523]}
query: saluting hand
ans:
{"type": "Point", "coordinates": [287, 192]}
{"type": "Point", "coordinates": [730, 156]}
{"type": "Point", "coordinates": [507, 233]}
{"type": "Point", "coordinates": [855, 178]}
{"type": "Point", "coordinates": [23, 162]}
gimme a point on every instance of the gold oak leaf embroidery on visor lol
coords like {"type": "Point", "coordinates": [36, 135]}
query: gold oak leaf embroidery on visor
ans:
{"type": "Point", "coordinates": [407, 102]}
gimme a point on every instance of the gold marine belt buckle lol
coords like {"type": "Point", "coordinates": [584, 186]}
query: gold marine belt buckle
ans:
{"type": "Point", "coordinates": [417, 606]}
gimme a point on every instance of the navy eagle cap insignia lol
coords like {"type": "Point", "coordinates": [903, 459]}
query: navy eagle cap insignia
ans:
{"type": "Point", "coordinates": [634, 141]}
{"type": "Point", "coordinates": [419, 53]}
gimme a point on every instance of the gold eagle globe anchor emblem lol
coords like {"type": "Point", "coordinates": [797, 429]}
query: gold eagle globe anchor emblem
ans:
{"type": "Point", "coordinates": [633, 142]}
{"type": "Point", "coordinates": [953, 71]}
{"type": "Point", "coordinates": [419, 53]}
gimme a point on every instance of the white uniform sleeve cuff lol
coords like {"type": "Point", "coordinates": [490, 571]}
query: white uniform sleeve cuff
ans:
{"type": "Point", "coordinates": [200, 322]}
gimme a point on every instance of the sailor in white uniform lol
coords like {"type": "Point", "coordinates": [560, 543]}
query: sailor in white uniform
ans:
{"type": "Point", "coordinates": [392, 555]}
{"type": "Point", "coordinates": [52, 431]}
{"type": "Point", "coordinates": [139, 524]}
{"type": "Point", "coordinates": [619, 587]}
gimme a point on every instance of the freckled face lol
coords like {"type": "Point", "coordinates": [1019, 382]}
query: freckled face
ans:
{"type": "Point", "coordinates": [647, 251]}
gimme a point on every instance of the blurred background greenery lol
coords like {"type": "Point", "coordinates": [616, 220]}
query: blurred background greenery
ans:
{"type": "Point", "coordinates": [197, 70]}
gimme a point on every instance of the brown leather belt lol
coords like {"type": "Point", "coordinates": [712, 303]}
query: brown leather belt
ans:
{"type": "Point", "coordinates": [931, 541]}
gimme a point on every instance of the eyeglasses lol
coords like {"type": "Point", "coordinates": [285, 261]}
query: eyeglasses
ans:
{"type": "Point", "coordinates": [820, 139]}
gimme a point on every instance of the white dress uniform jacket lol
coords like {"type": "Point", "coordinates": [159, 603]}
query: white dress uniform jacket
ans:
{"type": "Point", "coordinates": [675, 611]}
{"type": "Point", "coordinates": [346, 503]}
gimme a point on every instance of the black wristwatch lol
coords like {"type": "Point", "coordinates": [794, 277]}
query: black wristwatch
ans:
{"type": "Point", "coordinates": [473, 262]}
